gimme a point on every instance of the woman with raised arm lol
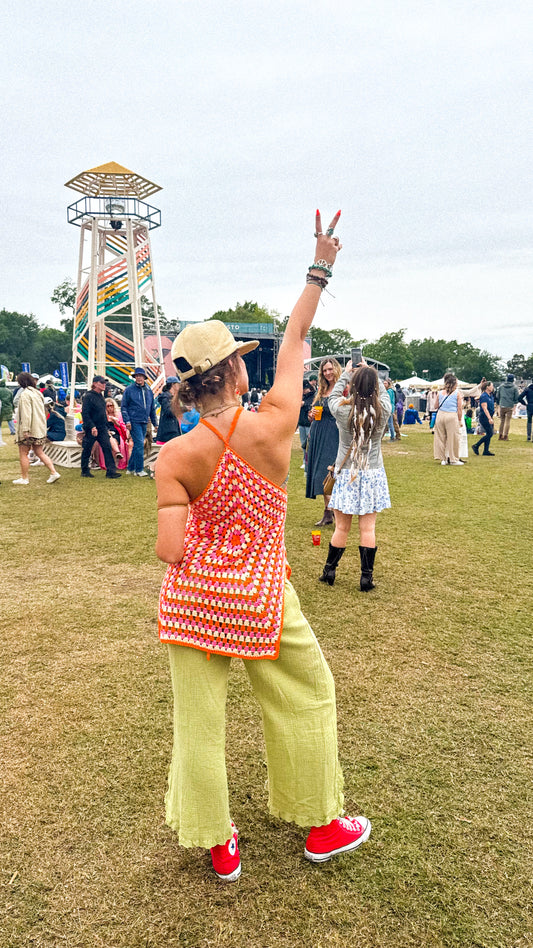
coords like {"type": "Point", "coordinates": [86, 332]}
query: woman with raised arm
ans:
{"type": "Point", "coordinates": [222, 500]}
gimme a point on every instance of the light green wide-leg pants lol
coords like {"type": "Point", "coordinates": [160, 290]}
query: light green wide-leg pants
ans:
{"type": "Point", "coordinates": [297, 697]}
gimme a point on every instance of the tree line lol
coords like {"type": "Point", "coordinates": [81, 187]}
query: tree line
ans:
{"type": "Point", "coordinates": [23, 339]}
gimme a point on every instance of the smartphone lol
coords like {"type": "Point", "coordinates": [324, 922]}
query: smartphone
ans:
{"type": "Point", "coordinates": [357, 355]}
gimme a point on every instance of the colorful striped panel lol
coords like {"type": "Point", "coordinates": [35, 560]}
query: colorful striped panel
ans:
{"type": "Point", "coordinates": [115, 244]}
{"type": "Point", "coordinates": [81, 310]}
{"type": "Point", "coordinates": [113, 290]}
{"type": "Point", "coordinates": [144, 266]}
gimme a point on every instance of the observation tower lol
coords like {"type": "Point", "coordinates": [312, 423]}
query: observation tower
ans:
{"type": "Point", "coordinates": [114, 271]}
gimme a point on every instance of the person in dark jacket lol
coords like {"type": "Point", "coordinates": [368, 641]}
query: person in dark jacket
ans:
{"type": "Point", "coordinates": [304, 425]}
{"type": "Point", "coordinates": [526, 398]}
{"type": "Point", "coordinates": [169, 423]}
{"type": "Point", "coordinates": [95, 427]}
{"type": "Point", "coordinates": [55, 422]}
{"type": "Point", "coordinates": [486, 419]}
{"type": "Point", "coordinates": [138, 408]}
{"type": "Point", "coordinates": [6, 411]}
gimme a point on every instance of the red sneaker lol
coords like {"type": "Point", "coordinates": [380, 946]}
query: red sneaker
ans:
{"type": "Point", "coordinates": [339, 836]}
{"type": "Point", "coordinates": [226, 859]}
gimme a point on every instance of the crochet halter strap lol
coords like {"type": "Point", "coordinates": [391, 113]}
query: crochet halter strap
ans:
{"type": "Point", "coordinates": [233, 425]}
{"type": "Point", "coordinates": [225, 596]}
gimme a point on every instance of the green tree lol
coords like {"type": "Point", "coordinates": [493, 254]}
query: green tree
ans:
{"type": "Point", "coordinates": [517, 365]}
{"type": "Point", "coordinates": [392, 349]}
{"type": "Point", "coordinates": [322, 343]}
{"type": "Point", "coordinates": [471, 364]}
{"type": "Point", "coordinates": [52, 346]}
{"type": "Point", "coordinates": [430, 354]}
{"type": "Point", "coordinates": [65, 297]}
{"type": "Point", "coordinates": [528, 368]}
{"type": "Point", "coordinates": [18, 334]}
{"type": "Point", "coordinates": [247, 312]}
{"type": "Point", "coordinates": [343, 341]}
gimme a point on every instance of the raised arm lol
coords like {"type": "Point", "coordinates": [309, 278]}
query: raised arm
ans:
{"type": "Point", "coordinates": [336, 399]}
{"type": "Point", "coordinates": [286, 392]}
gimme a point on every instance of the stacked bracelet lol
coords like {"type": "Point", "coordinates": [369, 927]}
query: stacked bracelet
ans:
{"type": "Point", "coordinates": [316, 280]}
{"type": "Point", "coordinates": [322, 265]}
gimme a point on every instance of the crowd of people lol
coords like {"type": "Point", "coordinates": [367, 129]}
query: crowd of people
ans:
{"type": "Point", "coordinates": [222, 501]}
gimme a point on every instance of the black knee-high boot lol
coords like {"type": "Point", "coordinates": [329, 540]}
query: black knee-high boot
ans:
{"type": "Point", "coordinates": [368, 555]}
{"type": "Point", "coordinates": [333, 560]}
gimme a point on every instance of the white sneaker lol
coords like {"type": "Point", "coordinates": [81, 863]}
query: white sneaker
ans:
{"type": "Point", "coordinates": [141, 474]}
{"type": "Point", "coordinates": [53, 477]}
{"type": "Point", "coordinates": [36, 462]}
{"type": "Point", "coordinates": [457, 463]}
{"type": "Point", "coordinates": [21, 480]}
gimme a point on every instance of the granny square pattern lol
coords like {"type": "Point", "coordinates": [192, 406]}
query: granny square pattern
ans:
{"type": "Point", "coordinates": [226, 595]}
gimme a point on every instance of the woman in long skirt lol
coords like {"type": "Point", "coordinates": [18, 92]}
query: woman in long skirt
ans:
{"type": "Point", "coordinates": [323, 437]}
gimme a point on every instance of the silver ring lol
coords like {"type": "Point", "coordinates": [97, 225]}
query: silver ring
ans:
{"type": "Point", "coordinates": [318, 234]}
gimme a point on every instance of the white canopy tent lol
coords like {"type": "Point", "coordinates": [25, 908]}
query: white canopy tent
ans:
{"type": "Point", "coordinates": [440, 383]}
{"type": "Point", "coordinates": [415, 382]}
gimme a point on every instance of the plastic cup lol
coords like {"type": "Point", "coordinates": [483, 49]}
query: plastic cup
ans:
{"type": "Point", "coordinates": [315, 535]}
{"type": "Point", "coordinates": [318, 412]}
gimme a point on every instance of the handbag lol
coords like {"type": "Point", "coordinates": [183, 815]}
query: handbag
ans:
{"type": "Point", "coordinates": [329, 481]}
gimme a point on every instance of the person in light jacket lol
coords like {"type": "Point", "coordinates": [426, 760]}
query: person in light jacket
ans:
{"type": "Point", "coordinates": [31, 429]}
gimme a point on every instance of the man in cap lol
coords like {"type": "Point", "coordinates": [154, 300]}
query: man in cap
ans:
{"type": "Point", "coordinates": [138, 409]}
{"type": "Point", "coordinates": [95, 428]}
{"type": "Point", "coordinates": [507, 398]}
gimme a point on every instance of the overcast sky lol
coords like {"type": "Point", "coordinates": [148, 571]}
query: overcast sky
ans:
{"type": "Point", "coordinates": [414, 118]}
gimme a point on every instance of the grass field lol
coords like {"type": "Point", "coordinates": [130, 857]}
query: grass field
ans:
{"type": "Point", "coordinates": [434, 686]}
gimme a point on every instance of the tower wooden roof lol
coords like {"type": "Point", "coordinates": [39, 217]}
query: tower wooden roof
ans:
{"type": "Point", "coordinates": [112, 180]}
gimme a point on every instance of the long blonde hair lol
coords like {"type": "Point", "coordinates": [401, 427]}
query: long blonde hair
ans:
{"type": "Point", "coordinates": [323, 384]}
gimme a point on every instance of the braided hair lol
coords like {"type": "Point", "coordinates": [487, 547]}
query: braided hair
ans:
{"type": "Point", "coordinates": [365, 415]}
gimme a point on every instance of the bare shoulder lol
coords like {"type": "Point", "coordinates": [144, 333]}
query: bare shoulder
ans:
{"type": "Point", "coordinates": [180, 452]}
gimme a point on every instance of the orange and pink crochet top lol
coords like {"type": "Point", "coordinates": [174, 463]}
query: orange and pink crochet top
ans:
{"type": "Point", "coordinates": [226, 595]}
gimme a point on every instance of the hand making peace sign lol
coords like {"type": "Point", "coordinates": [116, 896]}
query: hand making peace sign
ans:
{"type": "Point", "coordinates": [327, 246]}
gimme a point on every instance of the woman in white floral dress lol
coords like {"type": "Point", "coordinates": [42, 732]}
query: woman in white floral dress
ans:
{"type": "Point", "coordinates": [361, 487]}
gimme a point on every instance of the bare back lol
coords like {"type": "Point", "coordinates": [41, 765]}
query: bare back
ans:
{"type": "Point", "coordinates": [258, 438]}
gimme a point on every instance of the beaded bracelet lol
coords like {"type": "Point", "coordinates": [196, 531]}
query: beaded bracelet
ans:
{"type": "Point", "coordinates": [319, 266]}
{"type": "Point", "coordinates": [316, 281]}
{"type": "Point", "coordinates": [324, 263]}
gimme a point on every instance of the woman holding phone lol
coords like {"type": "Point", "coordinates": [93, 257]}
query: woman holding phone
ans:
{"type": "Point", "coordinates": [361, 487]}
{"type": "Point", "coordinates": [222, 500]}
